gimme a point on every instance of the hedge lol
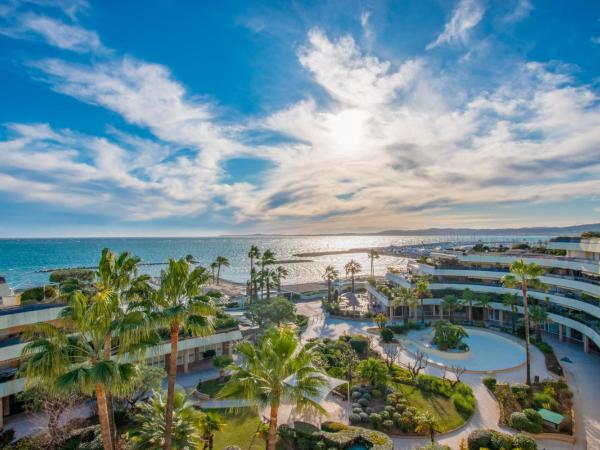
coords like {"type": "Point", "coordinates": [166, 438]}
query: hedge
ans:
{"type": "Point", "coordinates": [60, 275]}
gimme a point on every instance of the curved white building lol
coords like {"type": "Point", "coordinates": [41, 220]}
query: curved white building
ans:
{"type": "Point", "coordinates": [570, 292]}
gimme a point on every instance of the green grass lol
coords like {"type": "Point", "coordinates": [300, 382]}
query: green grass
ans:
{"type": "Point", "coordinates": [211, 387]}
{"type": "Point", "coordinates": [239, 430]}
{"type": "Point", "coordinates": [441, 407]}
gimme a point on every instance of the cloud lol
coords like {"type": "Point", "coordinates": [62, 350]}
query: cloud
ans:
{"type": "Point", "coordinates": [518, 13]}
{"type": "Point", "coordinates": [595, 40]}
{"type": "Point", "coordinates": [465, 17]}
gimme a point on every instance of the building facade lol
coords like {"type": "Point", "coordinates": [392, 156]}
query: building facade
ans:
{"type": "Point", "coordinates": [194, 352]}
{"type": "Point", "coordinates": [570, 291]}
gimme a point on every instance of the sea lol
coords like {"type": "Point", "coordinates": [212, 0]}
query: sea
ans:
{"type": "Point", "coordinates": [26, 262]}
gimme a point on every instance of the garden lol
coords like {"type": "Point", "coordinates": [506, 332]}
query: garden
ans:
{"type": "Point", "coordinates": [525, 407]}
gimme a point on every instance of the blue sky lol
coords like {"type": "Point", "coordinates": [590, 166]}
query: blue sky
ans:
{"type": "Point", "coordinates": [203, 118]}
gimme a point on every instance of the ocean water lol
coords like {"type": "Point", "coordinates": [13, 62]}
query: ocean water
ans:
{"type": "Point", "coordinates": [22, 259]}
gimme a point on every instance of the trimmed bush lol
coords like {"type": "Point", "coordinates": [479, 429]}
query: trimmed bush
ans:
{"type": "Point", "coordinates": [375, 420]}
{"type": "Point", "coordinates": [523, 442]}
{"type": "Point", "coordinates": [360, 345]}
{"type": "Point", "coordinates": [333, 427]}
{"type": "Point", "coordinates": [37, 294]}
{"type": "Point", "coordinates": [354, 418]}
{"type": "Point", "coordinates": [480, 439]}
{"type": "Point", "coordinates": [387, 424]}
{"type": "Point", "coordinates": [534, 416]}
{"type": "Point", "coordinates": [356, 395]}
{"type": "Point", "coordinates": [387, 335]}
{"type": "Point", "coordinates": [519, 421]}
{"type": "Point", "coordinates": [363, 402]}
{"type": "Point", "coordinates": [465, 405]}
{"type": "Point", "coordinates": [490, 383]}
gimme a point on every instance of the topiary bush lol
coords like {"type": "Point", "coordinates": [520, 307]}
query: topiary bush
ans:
{"type": "Point", "coordinates": [534, 416]}
{"type": "Point", "coordinates": [519, 421]}
{"type": "Point", "coordinates": [523, 442]}
{"type": "Point", "coordinates": [387, 335]}
{"type": "Point", "coordinates": [490, 383]}
{"type": "Point", "coordinates": [375, 420]}
{"type": "Point", "coordinates": [479, 439]}
{"type": "Point", "coordinates": [354, 418]}
{"type": "Point", "coordinates": [363, 402]}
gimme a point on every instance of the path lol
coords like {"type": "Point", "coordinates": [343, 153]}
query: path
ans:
{"type": "Point", "coordinates": [486, 414]}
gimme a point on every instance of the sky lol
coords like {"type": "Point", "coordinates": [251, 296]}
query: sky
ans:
{"type": "Point", "coordinates": [187, 118]}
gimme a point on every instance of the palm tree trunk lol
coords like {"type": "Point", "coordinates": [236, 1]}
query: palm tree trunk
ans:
{"type": "Point", "coordinates": [415, 311]}
{"type": "Point", "coordinates": [405, 313]}
{"type": "Point", "coordinates": [171, 386]}
{"type": "Point", "coordinates": [513, 320]}
{"type": "Point", "coordinates": [352, 283]}
{"type": "Point", "coordinates": [103, 416]}
{"type": "Point", "coordinates": [422, 312]}
{"type": "Point", "coordinates": [109, 402]}
{"type": "Point", "coordinates": [272, 436]}
{"type": "Point", "coordinates": [251, 276]}
{"type": "Point", "coordinates": [329, 290]}
{"type": "Point", "coordinates": [218, 273]}
{"type": "Point", "coordinates": [526, 318]}
{"type": "Point", "coordinates": [470, 312]}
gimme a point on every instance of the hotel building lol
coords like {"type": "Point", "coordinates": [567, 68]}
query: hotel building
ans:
{"type": "Point", "coordinates": [193, 353]}
{"type": "Point", "coordinates": [570, 292]}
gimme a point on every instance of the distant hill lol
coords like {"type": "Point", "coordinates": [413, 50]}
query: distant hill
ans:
{"type": "Point", "coordinates": [574, 230]}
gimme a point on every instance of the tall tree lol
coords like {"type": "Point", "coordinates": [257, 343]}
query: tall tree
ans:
{"type": "Point", "coordinates": [267, 259]}
{"type": "Point", "coordinates": [373, 255]}
{"type": "Point", "coordinates": [278, 369]}
{"type": "Point", "coordinates": [281, 273]}
{"type": "Point", "coordinates": [539, 317]}
{"type": "Point", "coordinates": [484, 303]}
{"type": "Point", "coordinates": [76, 362]}
{"type": "Point", "coordinates": [428, 423]}
{"type": "Point", "coordinates": [468, 296]}
{"type": "Point", "coordinates": [404, 297]}
{"type": "Point", "coordinates": [512, 301]}
{"type": "Point", "coordinates": [210, 423]}
{"type": "Point", "coordinates": [524, 275]}
{"type": "Point", "coordinates": [221, 262]}
{"type": "Point", "coordinates": [253, 254]}
{"type": "Point", "coordinates": [330, 275]}
{"type": "Point", "coordinates": [352, 268]}
{"type": "Point", "coordinates": [452, 303]}
{"type": "Point", "coordinates": [213, 270]}
{"type": "Point", "coordinates": [422, 291]}
{"type": "Point", "coordinates": [179, 305]}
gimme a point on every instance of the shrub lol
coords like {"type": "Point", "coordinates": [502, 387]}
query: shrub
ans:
{"type": "Point", "coordinates": [523, 442]}
{"type": "Point", "coordinates": [387, 335]}
{"type": "Point", "coordinates": [375, 420]}
{"type": "Point", "coordinates": [364, 417]}
{"type": "Point", "coordinates": [354, 418]}
{"type": "Point", "coordinates": [490, 383]}
{"type": "Point", "coordinates": [387, 424]}
{"type": "Point", "coordinates": [6, 437]}
{"type": "Point", "coordinates": [357, 410]}
{"type": "Point", "coordinates": [58, 276]}
{"type": "Point", "coordinates": [533, 416]}
{"type": "Point", "coordinates": [519, 421]}
{"type": "Point", "coordinates": [333, 427]}
{"type": "Point", "coordinates": [376, 393]}
{"type": "Point", "coordinates": [37, 294]}
{"type": "Point", "coordinates": [480, 439]}
{"type": "Point", "coordinates": [465, 405]}
{"type": "Point", "coordinates": [363, 402]}
{"type": "Point", "coordinates": [543, 400]}
{"type": "Point", "coordinates": [434, 446]}
{"type": "Point", "coordinates": [501, 441]}
{"type": "Point", "coordinates": [356, 395]}
{"type": "Point", "coordinates": [360, 345]}
{"type": "Point", "coordinates": [232, 447]}
{"type": "Point", "coordinates": [366, 396]}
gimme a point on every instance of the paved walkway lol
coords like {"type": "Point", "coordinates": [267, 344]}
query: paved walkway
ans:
{"type": "Point", "coordinates": [581, 377]}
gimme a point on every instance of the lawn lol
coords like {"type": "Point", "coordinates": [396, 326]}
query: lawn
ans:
{"type": "Point", "coordinates": [211, 387]}
{"type": "Point", "coordinates": [442, 407]}
{"type": "Point", "coordinates": [240, 429]}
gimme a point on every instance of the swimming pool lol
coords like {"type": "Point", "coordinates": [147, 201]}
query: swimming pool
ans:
{"type": "Point", "coordinates": [488, 351]}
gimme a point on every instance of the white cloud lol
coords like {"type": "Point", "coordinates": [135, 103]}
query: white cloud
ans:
{"type": "Point", "coordinates": [595, 40]}
{"type": "Point", "coordinates": [466, 15]}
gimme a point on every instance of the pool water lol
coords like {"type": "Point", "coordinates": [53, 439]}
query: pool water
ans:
{"type": "Point", "coordinates": [359, 446]}
{"type": "Point", "coordinates": [488, 351]}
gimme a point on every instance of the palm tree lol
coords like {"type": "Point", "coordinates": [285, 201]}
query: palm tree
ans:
{"type": "Point", "coordinates": [253, 254]}
{"type": "Point", "coordinates": [330, 275]}
{"type": "Point", "coordinates": [267, 259]}
{"type": "Point", "coordinates": [179, 305]}
{"type": "Point", "coordinates": [373, 371]}
{"type": "Point", "coordinates": [210, 423]}
{"type": "Point", "coordinates": [150, 432]}
{"type": "Point", "coordinates": [352, 268]}
{"type": "Point", "coordinates": [524, 275]}
{"type": "Point", "coordinates": [452, 303]}
{"type": "Point", "coordinates": [404, 297]}
{"type": "Point", "coordinates": [538, 316]}
{"type": "Point", "coordinates": [511, 301]}
{"type": "Point", "coordinates": [373, 255]}
{"type": "Point", "coordinates": [221, 261]}
{"type": "Point", "coordinates": [278, 369]}
{"type": "Point", "coordinates": [281, 273]}
{"type": "Point", "coordinates": [380, 319]}
{"type": "Point", "coordinates": [76, 362]}
{"type": "Point", "coordinates": [213, 268]}
{"type": "Point", "coordinates": [484, 302]}
{"type": "Point", "coordinates": [427, 423]}
{"type": "Point", "coordinates": [422, 291]}
{"type": "Point", "coordinates": [468, 296]}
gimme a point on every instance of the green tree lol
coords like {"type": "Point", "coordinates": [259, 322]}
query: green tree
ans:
{"type": "Point", "coordinates": [511, 301]}
{"type": "Point", "coordinates": [221, 262]}
{"type": "Point", "coordinates": [422, 291]}
{"type": "Point", "coordinates": [330, 275]}
{"type": "Point", "coordinates": [380, 319]}
{"type": "Point", "coordinates": [539, 317]}
{"type": "Point", "coordinates": [484, 302]}
{"type": "Point", "coordinates": [428, 423]}
{"type": "Point", "coordinates": [270, 312]}
{"type": "Point", "coordinates": [452, 303]}
{"type": "Point", "coordinates": [524, 275]}
{"type": "Point", "coordinates": [210, 423]}
{"type": "Point", "coordinates": [373, 255]}
{"type": "Point", "coordinates": [76, 362]}
{"type": "Point", "coordinates": [151, 430]}
{"type": "Point", "coordinates": [253, 254]}
{"type": "Point", "coordinates": [404, 297]}
{"type": "Point", "coordinates": [213, 270]}
{"type": "Point", "coordinates": [278, 369]}
{"type": "Point", "coordinates": [267, 259]}
{"type": "Point", "coordinates": [146, 380]}
{"type": "Point", "coordinates": [352, 268]}
{"type": "Point", "coordinates": [373, 371]}
{"type": "Point", "coordinates": [280, 274]}
{"type": "Point", "coordinates": [179, 306]}
{"type": "Point", "coordinates": [468, 296]}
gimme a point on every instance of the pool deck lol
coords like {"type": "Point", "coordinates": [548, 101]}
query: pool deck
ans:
{"type": "Point", "coordinates": [581, 375]}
